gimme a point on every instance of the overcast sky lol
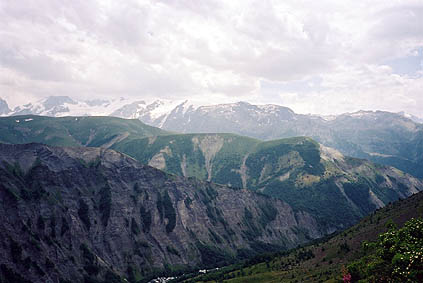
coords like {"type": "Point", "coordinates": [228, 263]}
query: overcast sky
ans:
{"type": "Point", "coordinates": [313, 56]}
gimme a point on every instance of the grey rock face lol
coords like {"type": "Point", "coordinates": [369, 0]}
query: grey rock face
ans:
{"type": "Point", "coordinates": [4, 107]}
{"type": "Point", "coordinates": [75, 213]}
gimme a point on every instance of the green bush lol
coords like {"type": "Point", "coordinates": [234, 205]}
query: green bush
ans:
{"type": "Point", "coordinates": [134, 227]}
{"type": "Point", "coordinates": [145, 219]}
{"type": "Point", "coordinates": [397, 256]}
{"type": "Point", "coordinates": [105, 204]}
{"type": "Point", "coordinates": [169, 213]}
{"type": "Point", "coordinates": [172, 250]}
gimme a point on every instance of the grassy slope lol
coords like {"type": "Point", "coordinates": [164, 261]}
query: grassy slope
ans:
{"type": "Point", "coordinates": [322, 261]}
{"type": "Point", "coordinates": [177, 148]}
{"type": "Point", "coordinates": [71, 131]}
{"type": "Point", "coordinates": [290, 169]}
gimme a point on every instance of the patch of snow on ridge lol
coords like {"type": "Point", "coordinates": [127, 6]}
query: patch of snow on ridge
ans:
{"type": "Point", "coordinates": [326, 117]}
{"type": "Point", "coordinates": [188, 106]}
{"type": "Point", "coordinates": [163, 107]}
{"type": "Point", "coordinates": [328, 153]}
{"type": "Point", "coordinates": [83, 108]}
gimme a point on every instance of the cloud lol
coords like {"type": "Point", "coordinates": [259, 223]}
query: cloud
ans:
{"type": "Point", "coordinates": [227, 50]}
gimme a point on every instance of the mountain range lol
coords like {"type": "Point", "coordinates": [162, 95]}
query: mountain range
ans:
{"type": "Point", "coordinates": [107, 199]}
{"type": "Point", "coordinates": [85, 214]}
{"type": "Point", "coordinates": [338, 190]}
{"type": "Point", "coordinates": [394, 139]}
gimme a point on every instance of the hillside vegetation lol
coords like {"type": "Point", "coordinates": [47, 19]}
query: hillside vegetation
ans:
{"type": "Point", "coordinates": [374, 250]}
{"type": "Point", "coordinates": [338, 190]}
{"type": "Point", "coordinates": [72, 131]}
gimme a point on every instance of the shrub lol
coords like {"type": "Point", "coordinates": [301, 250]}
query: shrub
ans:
{"type": "Point", "coordinates": [105, 204]}
{"type": "Point", "coordinates": [134, 227]}
{"type": "Point", "coordinates": [397, 256]}
{"type": "Point", "coordinates": [145, 219]}
{"type": "Point", "coordinates": [169, 213]}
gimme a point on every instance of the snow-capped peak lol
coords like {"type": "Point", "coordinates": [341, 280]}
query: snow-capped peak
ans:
{"type": "Point", "coordinates": [411, 117]}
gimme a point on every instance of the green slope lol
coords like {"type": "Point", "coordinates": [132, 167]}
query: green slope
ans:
{"type": "Point", "coordinates": [325, 260]}
{"type": "Point", "coordinates": [338, 190]}
{"type": "Point", "coordinates": [72, 131]}
{"type": "Point", "coordinates": [209, 157]}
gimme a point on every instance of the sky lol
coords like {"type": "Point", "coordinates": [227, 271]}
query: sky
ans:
{"type": "Point", "coordinates": [320, 57]}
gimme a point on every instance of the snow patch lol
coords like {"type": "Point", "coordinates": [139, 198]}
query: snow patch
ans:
{"type": "Point", "coordinates": [328, 153]}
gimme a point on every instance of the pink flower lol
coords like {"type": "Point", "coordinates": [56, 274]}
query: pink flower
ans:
{"type": "Point", "coordinates": [347, 278]}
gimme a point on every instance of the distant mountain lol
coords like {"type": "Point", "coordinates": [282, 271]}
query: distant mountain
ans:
{"type": "Point", "coordinates": [94, 215]}
{"type": "Point", "coordinates": [155, 113]}
{"type": "Point", "coordinates": [73, 131]}
{"type": "Point", "coordinates": [379, 136]}
{"type": "Point", "coordinates": [394, 139]}
{"type": "Point", "coordinates": [59, 106]}
{"type": "Point", "coordinates": [336, 189]}
{"type": "Point", "coordinates": [4, 107]}
{"type": "Point", "coordinates": [412, 117]}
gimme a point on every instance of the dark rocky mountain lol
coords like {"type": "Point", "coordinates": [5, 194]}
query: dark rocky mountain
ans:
{"type": "Point", "coordinates": [96, 215]}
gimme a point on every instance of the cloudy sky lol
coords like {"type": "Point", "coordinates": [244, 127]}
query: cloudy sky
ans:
{"type": "Point", "coordinates": [314, 56]}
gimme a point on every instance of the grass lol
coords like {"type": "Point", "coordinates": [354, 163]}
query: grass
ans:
{"type": "Point", "coordinates": [71, 131]}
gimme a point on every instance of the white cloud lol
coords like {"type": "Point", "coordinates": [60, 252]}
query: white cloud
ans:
{"type": "Point", "coordinates": [219, 49]}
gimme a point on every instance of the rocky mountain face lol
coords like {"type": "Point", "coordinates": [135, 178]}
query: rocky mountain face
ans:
{"type": "Point", "coordinates": [327, 259]}
{"type": "Point", "coordinates": [394, 139]}
{"type": "Point", "coordinates": [337, 189]}
{"type": "Point", "coordinates": [96, 215]}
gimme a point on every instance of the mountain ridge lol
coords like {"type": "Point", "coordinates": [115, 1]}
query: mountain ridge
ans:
{"type": "Point", "coordinates": [300, 171]}
{"type": "Point", "coordinates": [389, 138]}
{"type": "Point", "coordinates": [308, 176]}
{"type": "Point", "coordinates": [77, 213]}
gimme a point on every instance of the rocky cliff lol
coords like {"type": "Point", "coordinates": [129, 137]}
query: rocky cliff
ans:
{"type": "Point", "coordinates": [75, 214]}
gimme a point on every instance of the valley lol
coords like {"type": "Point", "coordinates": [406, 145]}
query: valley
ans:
{"type": "Point", "coordinates": [341, 255]}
